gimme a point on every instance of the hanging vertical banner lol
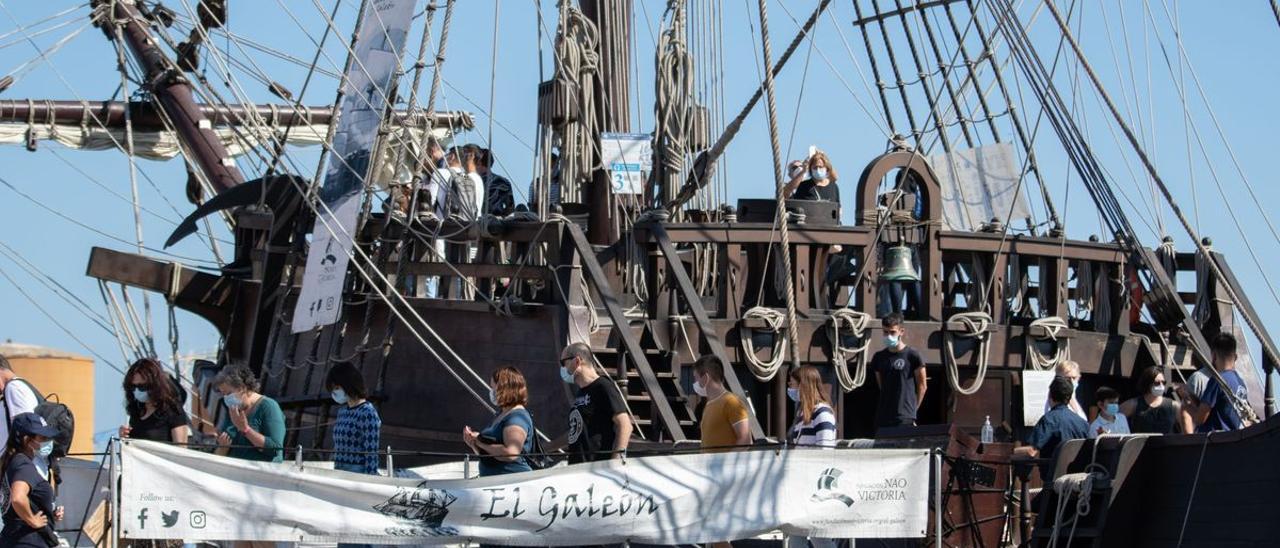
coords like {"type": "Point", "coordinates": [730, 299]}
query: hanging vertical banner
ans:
{"type": "Point", "coordinates": [629, 158]}
{"type": "Point", "coordinates": [169, 492]}
{"type": "Point", "coordinates": [368, 83]}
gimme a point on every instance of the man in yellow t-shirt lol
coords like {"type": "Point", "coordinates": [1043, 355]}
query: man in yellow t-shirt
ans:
{"type": "Point", "coordinates": [725, 417]}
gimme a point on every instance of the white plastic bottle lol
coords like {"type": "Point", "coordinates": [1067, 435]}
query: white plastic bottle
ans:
{"type": "Point", "coordinates": [988, 433]}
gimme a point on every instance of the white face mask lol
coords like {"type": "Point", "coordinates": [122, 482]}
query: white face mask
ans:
{"type": "Point", "coordinates": [493, 396]}
{"type": "Point", "coordinates": [1157, 390]}
{"type": "Point", "coordinates": [699, 389]}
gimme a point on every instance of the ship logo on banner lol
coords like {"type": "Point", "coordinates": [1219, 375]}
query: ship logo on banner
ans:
{"type": "Point", "coordinates": [423, 509]}
{"type": "Point", "coordinates": [827, 485]}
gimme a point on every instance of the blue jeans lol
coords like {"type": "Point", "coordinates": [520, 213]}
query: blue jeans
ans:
{"type": "Point", "coordinates": [890, 296]}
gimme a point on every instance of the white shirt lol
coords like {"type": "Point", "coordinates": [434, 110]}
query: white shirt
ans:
{"type": "Point", "coordinates": [1118, 426]}
{"type": "Point", "coordinates": [18, 399]}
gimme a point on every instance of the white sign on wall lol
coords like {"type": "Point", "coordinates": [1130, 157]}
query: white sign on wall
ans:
{"type": "Point", "coordinates": [1035, 392]}
{"type": "Point", "coordinates": [629, 159]}
{"type": "Point", "coordinates": [170, 492]}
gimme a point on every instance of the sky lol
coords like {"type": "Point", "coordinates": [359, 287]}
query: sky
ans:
{"type": "Point", "coordinates": [56, 204]}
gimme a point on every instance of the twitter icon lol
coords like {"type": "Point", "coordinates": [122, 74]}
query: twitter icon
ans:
{"type": "Point", "coordinates": [169, 519]}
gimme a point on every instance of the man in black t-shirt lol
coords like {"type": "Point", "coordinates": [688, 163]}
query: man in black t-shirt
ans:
{"type": "Point", "coordinates": [900, 374]}
{"type": "Point", "coordinates": [599, 425]}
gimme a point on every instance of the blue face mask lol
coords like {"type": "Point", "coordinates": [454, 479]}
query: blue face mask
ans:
{"type": "Point", "coordinates": [818, 174]}
{"type": "Point", "coordinates": [46, 449]}
{"type": "Point", "coordinates": [231, 400]}
{"type": "Point", "coordinates": [1113, 409]}
{"type": "Point", "coordinates": [794, 394]}
{"type": "Point", "coordinates": [140, 395]}
{"type": "Point", "coordinates": [565, 375]}
{"type": "Point", "coordinates": [891, 341]}
{"type": "Point", "coordinates": [340, 396]}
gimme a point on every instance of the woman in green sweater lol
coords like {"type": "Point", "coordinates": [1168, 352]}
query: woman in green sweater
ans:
{"type": "Point", "coordinates": [254, 429]}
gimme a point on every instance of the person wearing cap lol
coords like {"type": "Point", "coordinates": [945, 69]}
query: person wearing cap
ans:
{"type": "Point", "coordinates": [31, 512]}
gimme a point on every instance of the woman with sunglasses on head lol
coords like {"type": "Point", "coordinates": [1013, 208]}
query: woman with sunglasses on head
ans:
{"type": "Point", "coordinates": [154, 406]}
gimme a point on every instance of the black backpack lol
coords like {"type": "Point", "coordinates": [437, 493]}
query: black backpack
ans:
{"type": "Point", "coordinates": [55, 413]}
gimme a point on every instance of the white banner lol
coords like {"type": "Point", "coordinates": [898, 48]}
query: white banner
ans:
{"type": "Point", "coordinates": [629, 158]}
{"type": "Point", "coordinates": [174, 493]}
{"type": "Point", "coordinates": [368, 83]}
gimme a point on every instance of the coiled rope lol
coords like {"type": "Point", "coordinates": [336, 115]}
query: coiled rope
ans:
{"type": "Point", "coordinates": [975, 327]}
{"type": "Point", "coordinates": [1081, 485]}
{"type": "Point", "coordinates": [774, 321]}
{"type": "Point", "coordinates": [1052, 325]}
{"type": "Point", "coordinates": [855, 324]}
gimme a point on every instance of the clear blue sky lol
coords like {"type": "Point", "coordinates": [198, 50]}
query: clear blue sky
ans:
{"type": "Point", "coordinates": [1233, 51]}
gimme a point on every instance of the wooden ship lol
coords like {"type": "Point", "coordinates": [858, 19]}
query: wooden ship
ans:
{"type": "Point", "coordinates": [653, 281]}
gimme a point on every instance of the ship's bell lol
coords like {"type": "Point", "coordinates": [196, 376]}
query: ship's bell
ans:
{"type": "Point", "coordinates": [898, 265]}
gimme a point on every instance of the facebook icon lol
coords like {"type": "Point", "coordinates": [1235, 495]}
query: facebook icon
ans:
{"type": "Point", "coordinates": [142, 519]}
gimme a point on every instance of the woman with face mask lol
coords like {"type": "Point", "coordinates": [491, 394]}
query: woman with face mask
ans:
{"type": "Point", "coordinates": [358, 430]}
{"type": "Point", "coordinates": [815, 424]}
{"type": "Point", "coordinates": [254, 427]}
{"type": "Point", "coordinates": [30, 511]}
{"type": "Point", "coordinates": [152, 401]}
{"type": "Point", "coordinates": [813, 179]}
{"type": "Point", "coordinates": [501, 445]}
{"type": "Point", "coordinates": [1151, 412]}
{"type": "Point", "coordinates": [1069, 370]}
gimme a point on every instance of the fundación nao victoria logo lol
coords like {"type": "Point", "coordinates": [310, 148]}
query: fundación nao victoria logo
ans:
{"type": "Point", "coordinates": [828, 489]}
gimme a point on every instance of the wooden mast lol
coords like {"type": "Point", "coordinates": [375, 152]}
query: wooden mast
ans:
{"type": "Point", "coordinates": [613, 19]}
{"type": "Point", "coordinates": [174, 95]}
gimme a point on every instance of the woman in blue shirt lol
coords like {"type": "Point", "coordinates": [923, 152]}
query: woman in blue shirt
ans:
{"type": "Point", "coordinates": [357, 431]}
{"type": "Point", "coordinates": [501, 445]}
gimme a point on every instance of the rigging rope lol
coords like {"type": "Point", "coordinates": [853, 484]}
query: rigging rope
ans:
{"type": "Point", "coordinates": [1243, 407]}
{"type": "Point", "coordinates": [1052, 326]}
{"type": "Point", "coordinates": [855, 324]}
{"type": "Point", "coordinates": [773, 321]}
{"type": "Point", "coordinates": [974, 327]}
{"type": "Point", "coordinates": [784, 236]}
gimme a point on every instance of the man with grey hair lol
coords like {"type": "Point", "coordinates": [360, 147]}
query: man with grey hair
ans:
{"type": "Point", "coordinates": [599, 425]}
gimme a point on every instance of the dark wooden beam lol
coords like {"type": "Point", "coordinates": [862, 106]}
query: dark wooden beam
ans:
{"type": "Point", "coordinates": [635, 352]}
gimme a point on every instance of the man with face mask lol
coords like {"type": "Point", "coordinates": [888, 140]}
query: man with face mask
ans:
{"type": "Point", "coordinates": [724, 417]}
{"type": "Point", "coordinates": [599, 425]}
{"type": "Point", "coordinates": [900, 374]}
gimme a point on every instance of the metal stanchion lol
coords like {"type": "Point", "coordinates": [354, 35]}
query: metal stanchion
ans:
{"type": "Point", "coordinates": [391, 463]}
{"type": "Point", "coordinates": [937, 498]}
{"type": "Point", "coordinates": [113, 529]}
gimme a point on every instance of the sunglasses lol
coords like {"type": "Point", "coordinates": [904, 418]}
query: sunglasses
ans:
{"type": "Point", "coordinates": [565, 360]}
{"type": "Point", "coordinates": [137, 387]}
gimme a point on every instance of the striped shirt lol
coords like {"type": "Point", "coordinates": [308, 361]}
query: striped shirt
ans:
{"type": "Point", "coordinates": [355, 439]}
{"type": "Point", "coordinates": [819, 431]}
